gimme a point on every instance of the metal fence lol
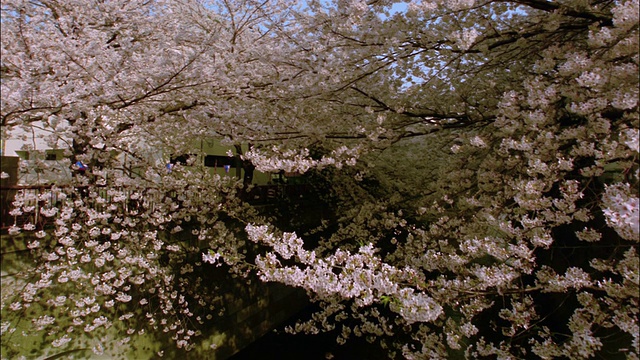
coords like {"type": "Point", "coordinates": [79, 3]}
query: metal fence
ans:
{"type": "Point", "coordinates": [34, 196]}
{"type": "Point", "coordinates": [41, 198]}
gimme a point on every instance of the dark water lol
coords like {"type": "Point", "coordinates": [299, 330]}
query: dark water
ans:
{"type": "Point", "coordinates": [278, 345]}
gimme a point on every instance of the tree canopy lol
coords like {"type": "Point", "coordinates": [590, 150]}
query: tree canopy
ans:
{"type": "Point", "coordinates": [477, 160]}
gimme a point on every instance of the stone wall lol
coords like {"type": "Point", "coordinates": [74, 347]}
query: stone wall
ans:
{"type": "Point", "coordinates": [251, 316]}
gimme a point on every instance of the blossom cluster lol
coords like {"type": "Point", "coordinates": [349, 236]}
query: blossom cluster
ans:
{"type": "Point", "coordinates": [622, 211]}
{"type": "Point", "coordinates": [112, 254]}
{"type": "Point", "coordinates": [299, 161]}
{"type": "Point", "coordinates": [361, 276]}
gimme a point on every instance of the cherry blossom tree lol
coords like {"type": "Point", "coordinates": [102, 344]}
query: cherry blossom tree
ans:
{"type": "Point", "coordinates": [479, 162]}
{"type": "Point", "coordinates": [508, 130]}
{"type": "Point", "coordinates": [126, 85]}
